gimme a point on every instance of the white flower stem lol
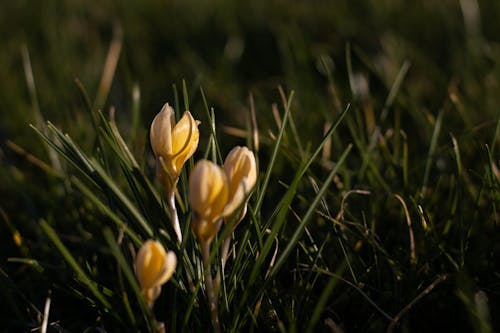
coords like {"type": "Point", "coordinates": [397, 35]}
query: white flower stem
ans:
{"type": "Point", "coordinates": [225, 249]}
{"type": "Point", "coordinates": [224, 254]}
{"type": "Point", "coordinates": [173, 215]}
{"type": "Point", "coordinates": [212, 297]}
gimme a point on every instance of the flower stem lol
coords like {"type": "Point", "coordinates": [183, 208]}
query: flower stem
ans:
{"type": "Point", "coordinates": [212, 298]}
{"type": "Point", "coordinates": [225, 249]}
{"type": "Point", "coordinates": [224, 254]}
{"type": "Point", "coordinates": [174, 217]}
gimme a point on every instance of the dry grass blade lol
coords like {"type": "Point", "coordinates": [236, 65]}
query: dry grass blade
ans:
{"type": "Point", "coordinates": [413, 256]}
{"type": "Point", "coordinates": [109, 68]}
{"type": "Point", "coordinates": [407, 308]}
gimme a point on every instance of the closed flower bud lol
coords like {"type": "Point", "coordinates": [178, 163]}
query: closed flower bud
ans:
{"type": "Point", "coordinates": [173, 143]}
{"type": "Point", "coordinates": [241, 171]}
{"type": "Point", "coordinates": [153, 267]}
{"type": "Point", "coordinates": [208, 195]}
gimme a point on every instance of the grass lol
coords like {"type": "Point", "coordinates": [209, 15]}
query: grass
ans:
{"type": "Point", "coordinates": [376, 137]}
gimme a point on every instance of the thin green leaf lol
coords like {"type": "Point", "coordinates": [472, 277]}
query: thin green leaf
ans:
{"type": "Point", "coordinates": [129, 275]}
{"type": "Point", "coordinates": [270, 166]}
{"type": "Point", "coordinates": [310, 212]}
{"type": "Point", "coordinates": [105, 209]}
{"type": "Point", "coordinates": [325, 295]}
{"type": "Point", "coordinates": [126, 203]}
{"type": "Point", "coordinates": [81, 275]}
{"type": "Point", "coordinates": [432, 151]}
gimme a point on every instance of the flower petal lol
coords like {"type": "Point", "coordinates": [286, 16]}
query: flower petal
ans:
{"type": "Point", "coordinates": [160, 134]}
{"type": "Point", "coordinates": [153, 266]}
{"type": "Point", "coordinates": [185, 138]}
{"type": "Point", "coordinates": [241, 170]}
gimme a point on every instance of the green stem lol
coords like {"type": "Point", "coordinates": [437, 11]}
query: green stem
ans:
{"type": "Point", "coordinates": [212, 298]}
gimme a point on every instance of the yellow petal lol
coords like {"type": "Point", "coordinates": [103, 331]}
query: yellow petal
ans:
{"type": "Point", "coordinates": [205, 230]}
{"type": "Point", "coordinates": [208, 193]}
{"type": "Point", "coordinates": [167, 270]}
{"type": "Point", "coordinates": [185, 137]}
{"type": "Point", "coordinates": [241, 171]}
{"type": "Point", "coordinates": [160, 134]}
{"type": "Point", "coordinates": [151, 294]}
{"type": "Point", "coordinates": [153, 266]}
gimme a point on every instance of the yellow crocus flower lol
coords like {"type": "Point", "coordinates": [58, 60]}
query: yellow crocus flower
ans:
{"type": "Point", "coordinates": [208, 195]}
{"type": "Point", "coordinates": [173, 143]}
{"type": "Point", "coordinates": [241, 171]}
{"type": "Point", "coordinates": [153, 267]}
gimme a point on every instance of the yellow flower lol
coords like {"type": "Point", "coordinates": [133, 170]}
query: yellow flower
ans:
{"type": "Point", "coordinates": [173, 144]}
{"type": "Point", "coordinates": [153, 267]}
{"type": "Point", "coordinates": [241, 172]}
{"type": "Point", "coordinates": [208, 195]}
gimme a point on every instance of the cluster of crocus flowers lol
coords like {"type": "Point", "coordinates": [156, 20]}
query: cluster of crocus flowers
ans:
{"type": "Point", "coordinates": [216, 193]}
{"type": "Point", "coordinates": [153, 267]}
{"type": "Point", "coordinates": [173, 144]}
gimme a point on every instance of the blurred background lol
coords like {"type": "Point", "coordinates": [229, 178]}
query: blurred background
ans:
{"type": "Point", "coordinates": [53, 53]}
{"type": "Point", "coordinates": [51, 50]}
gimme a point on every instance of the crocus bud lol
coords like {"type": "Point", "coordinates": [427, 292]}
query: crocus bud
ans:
{"type": "Point", "coordinates": [208, 194]}
{"type": "Point", "coordinates": [173, 143]}
{"type": "Point", "coordinates": [241, 171]}
{"type": "Point", "coordinates": [153, 267]}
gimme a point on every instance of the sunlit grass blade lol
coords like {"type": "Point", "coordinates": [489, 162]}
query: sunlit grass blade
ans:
{"type": "Point", "coordinates": [282, 208]}
{"type": "Point", "coordinates": [112, 130]}
{"type": "Point", "coordinates": [133, 172]}
{"type": "Point", "coordinates": [122, 198]}
{"type": "Point", "coordinates": [35, 264]}
{"type": "Point", "coordinates": [105, 209]}
{"type": "Point", "coordinates": [82, 165]}
{"type": "Point", "coordinates": [280, 218]}
{"type": "Point", "coordinates": [91, 111]}
{"type": "Point", "coordinates": [310, 212]}
{"type": "Point", "coordinates": [272, 161]}
{"type": "Point", "coordinates": [214, 142]}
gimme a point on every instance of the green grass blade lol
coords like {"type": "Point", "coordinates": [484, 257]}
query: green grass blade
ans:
{"type": "Point", "coordinates": [310, 212]}
{"type": "Point", "coordinates": [185, 95]}
{"type": "Point", "coordinates": [496, 135]}
{"type": "Point", "coordinates": [210, 113]}
{"type": "Point", "coordinates": [81, 275]}
{"type": "Point", "coordinates": [121, 197]}
{"type": "Point", "coordinates": [272, 161]}
{"type": "Point", "coordinates": [282, 208]}
{"type": "Point", "coordinates": [105, 209]}
{"type": "Point", "coordinates": [396, 86]}
{"type": "Point", "coordinates": [432, 151]}
{"type": "Point", "coordinates": [320, 305]}
{"type": "Point", "coordinates": [72, 158]}
{"type": "Point", "coordinates": [282, 212]}
{"type": "Point", "coordinates": [127, 271]}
